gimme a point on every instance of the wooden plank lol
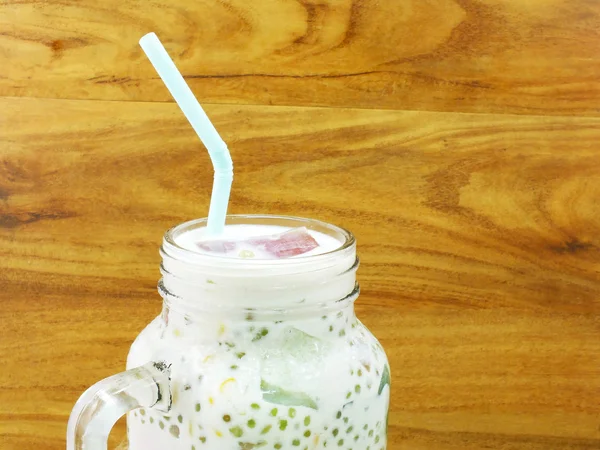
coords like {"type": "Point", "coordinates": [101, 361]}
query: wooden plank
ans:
{"type": "Point", "coordinates": [534, 57]}
{"type": "Point", "coordinates": [468, 379]}
{"type": "Point", "coordinates": [478, 236]}
{"type": "Point", "coordinates": [505, 204]}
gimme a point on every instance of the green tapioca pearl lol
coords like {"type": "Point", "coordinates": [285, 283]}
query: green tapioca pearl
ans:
{"type": "Point", "coordinates": [236, 431]}
{"type": "Point", "coordinates": [307, 433]}
{"type": "Point", "coordinates": [376, 439]}
{"type": "Point", "coordinates": [277, 445]}
{"type": "Point", "coordinates": [255, 406]}
{"type": "Point", "coordinates": [292, 412]}
{"type": "Point", "coordinates": [180, 418]}
{"type": "Point", "coordinates": [251, 423]}
{"type": "Point", "coordinates": [371, 433]}
{"type": "Point", "coordinates": [342, 333]}
{"type": "Point", "coordinates": [359, 373]}
{"type": "Point", "coordinates": [143, 412]}
{"type": "Point", "coordinates": [174, 430]}
{"type": "Point", "coordinates": [357, 388]}
{"type": "Point", "coordinates": [226, 418]}
{"type": "Point", "coordinates": [335, 432]}
{"type": "Point", "coordinates": [283, 425]}
{"type": "Point", "coordinates": [273, 412]}
{"type": "Point", "coordinates": [202, 439]}
{"type": "Point", "coordinates": [307, 421]}
{"type": "Point", "coordinates": [340, 442]}
{"type": "Point", "coordinates": [198, 407]}
{"type": "Point", "coordinates": [296, 442]}
{"type": "Point", "coordinates": [349, 430]}
{"type": "Point", "coordinates": [338, 415]}
{"type": "Point", "coordinates": [161, 425]}
{"type": "Point", "coordinates": [261, 334]}
{"type": "Point", "coordinates": [151, 419]}
{"type": "Point", "coordinates": [266, 429]}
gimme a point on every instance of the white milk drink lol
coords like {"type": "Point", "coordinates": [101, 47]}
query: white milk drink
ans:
{"type": "Point", "coordinates": [264, 348]}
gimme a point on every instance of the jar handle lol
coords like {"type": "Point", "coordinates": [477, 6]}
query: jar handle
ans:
{"type": "Point", "coordinates": [99, 408]}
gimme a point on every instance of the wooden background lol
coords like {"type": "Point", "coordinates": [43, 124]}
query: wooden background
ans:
{"type": "Point", "coordinates": [458, 139]}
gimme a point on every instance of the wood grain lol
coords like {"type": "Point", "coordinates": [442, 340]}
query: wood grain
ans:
{"type": "Point", "coordinates": [524, 57]}
{"type": "Point", "coordinates": [478, 235]}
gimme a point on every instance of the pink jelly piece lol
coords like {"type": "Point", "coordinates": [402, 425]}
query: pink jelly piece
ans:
{"type": "Point", "coordinates": [217, 246]}
{"type": "Point", "coordinates": [291, 243]}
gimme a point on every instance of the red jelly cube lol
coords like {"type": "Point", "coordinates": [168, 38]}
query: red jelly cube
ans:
{"type": "Point", "coordinates": [291, 243]}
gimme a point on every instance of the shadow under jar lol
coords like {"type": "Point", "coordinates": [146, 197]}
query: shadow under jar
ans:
{"type": "Point", "coordinates": [247, 354]}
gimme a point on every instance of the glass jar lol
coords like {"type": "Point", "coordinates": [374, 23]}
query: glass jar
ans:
{"type": "Point", "coordinates": [248, 354]}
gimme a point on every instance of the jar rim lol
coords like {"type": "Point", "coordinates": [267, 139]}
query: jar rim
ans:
{"type": "Point", "coordinates": [175, 250]}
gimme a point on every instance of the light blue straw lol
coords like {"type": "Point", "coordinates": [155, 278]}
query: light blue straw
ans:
{"type": "Point", "coordinates": [217, 149]}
